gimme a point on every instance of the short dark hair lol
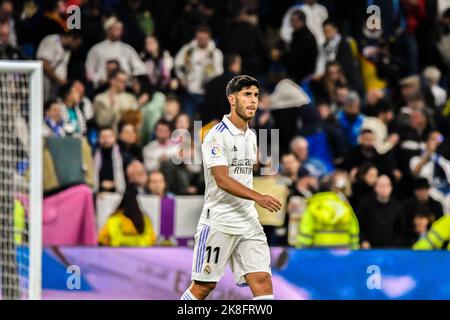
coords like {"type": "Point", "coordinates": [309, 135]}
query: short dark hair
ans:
{"type": "Point", "coordinates": [229, 59]}
{"type": "Point", "coordinates": [48, 104]}
{"type": "Point", "coordinates": [239, 82]}
{"type": "Point", "coordinates": [65, 90]}
{"type": "Point", "coordinates": [331, 23]}
{"type": "Point", "coordinates": [122, 124]}
{"type": "Point", "coordinates": [203, 28]}
{"type": "Point", "coordinates": [300, 14]}
{"type": "Point", "coordinates": [384, 105]}
{"type": "Point", "coordinates": [163, 122]}
{"type": "Point", "coordinates": [116, 72]}
{"type": "Point", "coordinates": [421, 183]}
{"type": "Point", "coordinates": [172, 97]}
{"type": "Point", "coordinates": [105, 128]}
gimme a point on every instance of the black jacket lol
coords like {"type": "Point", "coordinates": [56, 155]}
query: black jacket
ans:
{"type": "Point", "coordinates": [380, 223]}
{"type": "Point", "coordinates": [301, 58]}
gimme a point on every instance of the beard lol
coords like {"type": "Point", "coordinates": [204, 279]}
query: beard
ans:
{"type": "Point", "coordinates": [240, 111]}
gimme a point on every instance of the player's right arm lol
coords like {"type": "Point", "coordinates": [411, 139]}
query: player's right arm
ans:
{"type": "Point", "coordinates": [237, 189]}
{"type": "Point", "coordinates": [215, 156]}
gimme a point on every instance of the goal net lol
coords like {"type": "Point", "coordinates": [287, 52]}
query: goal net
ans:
{"type": "Point", "coordinates": [20, 179]}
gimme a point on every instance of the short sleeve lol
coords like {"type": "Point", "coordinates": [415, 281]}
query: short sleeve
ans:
{"type": "Point", "coordinates": [214, 150]}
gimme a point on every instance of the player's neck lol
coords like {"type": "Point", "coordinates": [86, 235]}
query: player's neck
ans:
{"type": "Point", "coordinates": [238, 121]}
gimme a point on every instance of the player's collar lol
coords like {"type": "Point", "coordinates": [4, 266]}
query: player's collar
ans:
{"type": "Point", "coordinates": [232, 128]}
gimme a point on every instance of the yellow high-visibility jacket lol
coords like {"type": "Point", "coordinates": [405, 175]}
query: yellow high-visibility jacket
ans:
{"type": "Point", "coordinates": [119, 231]}
{"type": "Point", "coordinates": [436, 236]}
{"type": "Point", "coordinates": [19, 222]}
{"type": "Point", "coordinates": [328, 222]}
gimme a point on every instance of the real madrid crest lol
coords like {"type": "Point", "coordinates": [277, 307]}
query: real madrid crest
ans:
{"type": "Point", "coordinates": [207, 269]}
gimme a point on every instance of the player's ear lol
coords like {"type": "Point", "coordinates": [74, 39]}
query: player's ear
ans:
{"type": "Point", "coordinates": [232, 100]}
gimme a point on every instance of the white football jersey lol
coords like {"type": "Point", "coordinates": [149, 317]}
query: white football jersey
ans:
{"type": "Point", "coordinates": [226, 145]}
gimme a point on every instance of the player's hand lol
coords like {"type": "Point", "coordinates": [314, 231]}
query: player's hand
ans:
{"type": "Point", "coordinates": [268, 202]}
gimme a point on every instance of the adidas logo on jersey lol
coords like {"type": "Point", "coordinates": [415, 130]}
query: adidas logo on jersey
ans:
{"type": "Point", "coordinates": [234, 148]}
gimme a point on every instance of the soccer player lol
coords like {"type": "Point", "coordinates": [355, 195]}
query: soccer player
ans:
{"type": "Point", "coordinates": [229, 229]}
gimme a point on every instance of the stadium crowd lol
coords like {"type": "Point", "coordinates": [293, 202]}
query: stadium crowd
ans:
{"type": "Point", "coordinates": [364, 114]}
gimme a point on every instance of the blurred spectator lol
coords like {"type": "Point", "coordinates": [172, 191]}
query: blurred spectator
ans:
{"type": "Point", "coordinates": [290, 165]}
{"type": "Point", "coordinates": [418, 208]}
{"type": "Point", "coordinates": [110, 105]}
{"type": "Point", "coordinates": [8, 51]}
{"type": "Point", "coordinates": [329, 220]}
{"type": "Point", "coordinates": [137, 21]}
{"type": "Point", "coordinates": [413, 137]}
{"type": "Point", "coordinates": [151, 103]}
{"type": "Point", "coordinates": [74, 121]}
{"type": "Point", "coordinates": [181, 174]}
{"type": "Point", "coordinates": [305, 185]}
{"type": "Point", "coordinates": [110, 164]}
{"type": "Point", "coordinates": [161, 149]}
{"type": "Point", "coordinates": [195, 13]}
{"type": "Point", "coordinates": [134, 117]}
{"type": "Point", "coordinates": [112, 67]}
{"type": "Point", "coordinates": [171, 109]}
{"type": "Point", "coordinates": [432, 76]}
{"type": "Point", "coordinates": [128, 226]}
{"type": "Point", "coordinates": [85, 103]}
{"type": "Point", "coordinates": [338, 145]}
{"type": "Point", "coordinates": [409, 89]}
{"type": "Point", "coordinates": [216, 103]}
{"type": "Point", "coordinates": [112, 49]}
{"type": "Point", "coordinates": [285, 102]}
{"type": "Point", "coordinates": [413, 13]}
{"type": "Point", "coordinates": [87, 110]}
{"type": "Point", "coordinates": [380, 217]}
{"type": "Point", "coordinates": [157, 184]}
{"type": "Point", "coordinates": [337, 48]}
{"type": "Point", "coordinates": [370, 44]}
{"type": "Point", "coordinates": [52, 21]}
{"type": "Point", "coordinates": [366, 152]}
{"type": "Point", "coordinates": [390, 67]}
{"type": "Point", "coordinates": [263, 118]}
{"type": "Point", "coordinates": [326, 87]}
{"type": "Point", "coordinates": [6, 16]}
{"type": "Point", "coordinates": [366, 176]}
{"type": "Point", "coordinates": [375, 98]}
{"type": "Point", "coordinates": [379, 125]}
{"type": "Point", "coordinates": [300, 192]}
{"type": "Point", "coordinates": [53, 123]}
{"type": "Point", "coordinates": [443, 38]}
{"type": "Point", "coordinates": [438, 235]}
{"type": "Point", "coordinates": [142, 89]}
{"type": "Point", "coordinates": [55, 50]}
{"type": "Point", "coordinates": [183, 122]}
{"type": "Point", "coordinates": [253, 50]}
{"type": "Point", "coordinates": [129, 141]}
{"type": "Point", "coordinates": [195, 64]}
{"type": "Point", "coordinates": [351, 119]}
{"type": "Point", "coordinates": [435, 168]}
{"type": "Point", "coordinates": [159, 64]}
{"type": "Point", "coordinates": [303, 45]}
{"type": "Point", "coordinates": [137, 177]}
{"type": "Point", "coordinates": [300, 147]}
{"type": "Point", "coordinates": [316, 14]}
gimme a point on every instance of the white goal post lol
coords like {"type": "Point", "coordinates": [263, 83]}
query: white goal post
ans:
{"type": "Point", "coordinates": [21, 104]}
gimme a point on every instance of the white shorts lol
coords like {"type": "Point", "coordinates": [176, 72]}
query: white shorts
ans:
{"type": "Point", "coordinates": [213, 249]}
